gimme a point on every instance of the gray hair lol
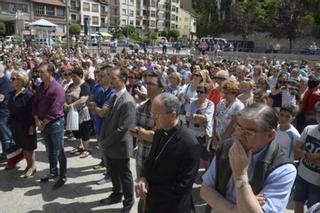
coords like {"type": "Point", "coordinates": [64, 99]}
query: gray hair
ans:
{"type": "Point", "coordinates": [261, 114]}
{"type": "Point", "coordinates": [170, 101]}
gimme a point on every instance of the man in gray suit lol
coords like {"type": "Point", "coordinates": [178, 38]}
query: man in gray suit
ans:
{"type": "Point", "coordinates": [117, 142]}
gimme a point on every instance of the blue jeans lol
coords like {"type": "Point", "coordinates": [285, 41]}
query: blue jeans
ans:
{"type": "Point", "coordinates": [5, 135]}
{"type": "Point", "coordinates": [53, 137]}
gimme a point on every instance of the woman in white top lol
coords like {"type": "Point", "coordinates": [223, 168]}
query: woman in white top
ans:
{"type": "Point", "coordinates": [200, 119]}
{"type": "Point", "coordinates": [227, 109]}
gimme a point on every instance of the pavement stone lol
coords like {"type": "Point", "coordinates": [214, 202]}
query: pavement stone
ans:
{"type": "Point", "coordinates": [80, 194]}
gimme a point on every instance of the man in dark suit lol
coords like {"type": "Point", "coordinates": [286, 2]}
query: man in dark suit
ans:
{"type": "Point", "coordinates": [172, 165]}
{"type": "Point", "coordinates": [117, 142]}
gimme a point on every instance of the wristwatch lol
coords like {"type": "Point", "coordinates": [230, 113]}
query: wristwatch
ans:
{"type": "Point", "coordinates": [241, 183]}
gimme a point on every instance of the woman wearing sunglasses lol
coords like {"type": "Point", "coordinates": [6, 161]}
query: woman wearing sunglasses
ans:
{"type": "Point", "coordinates": [200, 118]}
{"type": "Point", "coordinates": [281, 94]}
{"type": "Point", "coordinates": [21, 121]}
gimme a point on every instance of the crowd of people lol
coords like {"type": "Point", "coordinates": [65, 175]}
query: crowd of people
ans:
{"type": "Point", "coordinates": [251, 124]}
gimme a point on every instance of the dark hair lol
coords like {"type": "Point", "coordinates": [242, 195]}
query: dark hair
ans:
{"type": "Point", "coordinates": [78, 72]}
{"type": "Point", "coordinates": [313, 82]}
{"type": "Point", "coordinates": [50, 67]}
{"type": "Point", "coordinates": [162, 80]}
{"type": "Point", "coordinates": [289, 108]}
{"type": "Point", "coordinates": [123, 76]}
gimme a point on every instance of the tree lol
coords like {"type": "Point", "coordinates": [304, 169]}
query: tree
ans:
{"type": "Point", "coordinates": [2, 28]}
{"type": "Point", "coordinates": [128, 30]}
{"type": "Point", "coordinates": [75, 29]}
{"type": "Point", "coordinates": [174, 33]}
{"type": "Point", "coordinates": [290, 13]}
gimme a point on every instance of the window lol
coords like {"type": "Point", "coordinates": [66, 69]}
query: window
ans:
{"type": "Point", "coordinates": [24, 8]}
{"type": "Point", "coordinates": [39, 9]}
{"type": "Point", "coordinates": [153, 3]}
{"type": "Point", "coordinates": [144, 22]}
{"type": "Point", "coordinates": [152, 23]}
{"type": "Point", "coordinates": [12, 8]}
{"type": "Point", "coordinates": [131, 22]}
{"type": "Point", "coordinates": [95, 8]}
{"type": "Point", "coordinates": [124, 12]}
{"type": "Point", "coordinates": [73, 17]}
{"type": "Point", "coordinates": [102, 20]}
{"type": "Point", "coordinates": [115, 1]}
{"type": "Point", "coordinates": [144, 12]}
{"type": "Point", "coordinates": [95, 20]}
{"type": "Point", "coordinates": [123, 21]}
{"type": "Point", "coordinates": [137, 23]}
{"type": "Point", "coordinates": [131, 1]}
{"type": "Point", "coordinates": [50, 10]}
{"type": "Point", "coordinates": [103, 9]}
{"type": "Point", "coordinates": [131, 13]}
{"type": "Point", "coordinates": [153, 13]}
{"type": "Point", "coordinates": [86, 6]}
{"type": "Point", "coordinates": [73, 4]}
{"type": "Point", "coordinates": [60, 11]}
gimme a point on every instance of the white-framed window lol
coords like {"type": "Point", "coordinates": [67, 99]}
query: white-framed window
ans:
{"type": "Point", "coordinates": [95, 8]}
{"type": "Point", "coordinates": [86, 6]}
{"type": "Point", "coordinates": [124, 12]}
{"type": "Point", "coordinates": [131, 13]}
{"type": "Point", "coordinates": [95, 20]}
{"type": "Point", "coordinates": [131, 22]}
{"type": "Point", "coordinates": [153, 3]}
{"type": "Point", "coordinates": [12, 8]}
{"type": "Point", "coordinates": [49, 10]}
{"type": "Point", "coordinates": [24, 8]}
{"type": "Point", "coordinates": [39, 9]}
{"type": "Point", "coordinates": [60, 11]}
{"type": "Point", "coordinates": [124, 22]}
{"type": "Point", "coordinates": [152, 13]}
{"type": "Point", "coordinates": [152, 23]}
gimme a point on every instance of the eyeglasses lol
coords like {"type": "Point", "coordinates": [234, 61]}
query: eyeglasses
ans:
{"type": "Point", "coordinates": [218, 78]}
{"type": "Point", "coordinates": [157, 114]}
{"type": "Point", "coordinates": [247, 132]}
{"type": "Point", "coordinates": [196, 75]}
{"type": "Point", "coordinates": [282, 82]}
{"type": "Point", "coordinates": [201, 92]}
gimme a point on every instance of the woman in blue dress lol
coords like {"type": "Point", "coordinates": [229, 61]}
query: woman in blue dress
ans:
{"type": "Point", "coordinates": [21, 121]}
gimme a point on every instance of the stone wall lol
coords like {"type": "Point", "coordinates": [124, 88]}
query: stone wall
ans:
{"type": "Point", "coordinates": [263, 41]}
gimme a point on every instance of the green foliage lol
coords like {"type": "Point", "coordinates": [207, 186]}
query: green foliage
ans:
{"type": "Point", "coordinates": [128, 30]}
{"type": "Point", "coordinates": [174, 33]}
{"type": "Point", "coordinates": [74, 29]}
{"type": "Point", "coordinates": [2, 28]}
{"type": "Point", "coordinates": [308, 19]}
{"type": "Point", "coordinates": [163, 33]}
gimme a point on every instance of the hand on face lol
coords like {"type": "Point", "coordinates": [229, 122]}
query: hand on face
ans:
{"type": "Point", "coordinates": [239, 161]}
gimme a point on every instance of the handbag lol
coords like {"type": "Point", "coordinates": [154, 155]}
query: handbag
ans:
{"type": "Point", "coordinates": [72, 119]}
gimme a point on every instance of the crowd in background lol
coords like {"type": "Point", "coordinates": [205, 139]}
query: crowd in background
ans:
{"type": "Point", "coordinates": [211, 91]}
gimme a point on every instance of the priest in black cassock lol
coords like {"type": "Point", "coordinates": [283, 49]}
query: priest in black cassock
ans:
{"type": "Point", "coordinates": [173, 162]}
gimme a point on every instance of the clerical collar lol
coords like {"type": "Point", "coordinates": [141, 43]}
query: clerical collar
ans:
{"type": "Point", "coordinates": [170, 131]}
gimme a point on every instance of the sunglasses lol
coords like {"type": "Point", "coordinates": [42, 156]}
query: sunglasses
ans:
{"type": "Point", "coordinates": [13, 78]}
{"type": "Point", "coordinates": [218, 78]}
{"type": "Point", "coordinates": [282, 82]}
{"type": "Point", "coordinates": [196, 75]}
{"type": "Point", "coordinates": [201, 92]}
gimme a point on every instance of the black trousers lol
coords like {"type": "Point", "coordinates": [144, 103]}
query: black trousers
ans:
{"type": "Point", "coordinates": [121, 178]}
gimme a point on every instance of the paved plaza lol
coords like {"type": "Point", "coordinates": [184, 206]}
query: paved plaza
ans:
{"type": "Point", "coordinates": [80, 194]}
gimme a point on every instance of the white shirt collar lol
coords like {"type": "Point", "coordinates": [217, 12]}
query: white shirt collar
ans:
{"type": "Point", "coordinates": [120, 92]}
